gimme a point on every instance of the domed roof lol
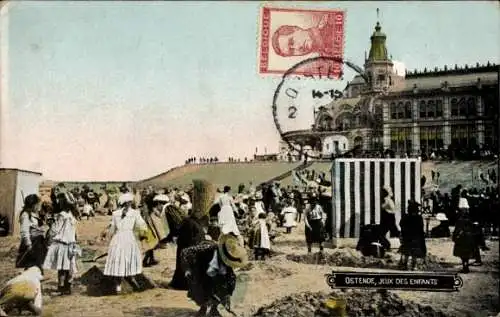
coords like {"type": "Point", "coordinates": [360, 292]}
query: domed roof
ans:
{"type": "Point", "coordinates": [378, 50]}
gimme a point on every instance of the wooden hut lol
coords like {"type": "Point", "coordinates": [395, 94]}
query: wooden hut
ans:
{"type": "Point", "coordinates": [15, 185]}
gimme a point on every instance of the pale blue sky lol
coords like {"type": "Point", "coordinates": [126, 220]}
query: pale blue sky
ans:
{"type": "Point", "coordinates": [101, 90]}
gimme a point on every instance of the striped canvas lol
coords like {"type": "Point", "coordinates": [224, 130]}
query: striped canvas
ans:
{"type": "Point", "coordinates": [357, 186]}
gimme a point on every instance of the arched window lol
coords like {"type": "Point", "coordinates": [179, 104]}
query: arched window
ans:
{"type": "Point", "coordinates": [454, 107]}
{"type": "Point", "coordinates": [431, 109]}
{"type": "Point", "coordinates": [344, 121]}
{"type": "Point", "coordinates": [423, 109]}
{"type": "Point", "coordinates": [462, 107]}
{"type": "Point", "coordinates": [325, 123]}
{"type": "Point", "coordinates": [471, 106]}
{"type": "Point", "coordinates": [408, 110]}
{"type": "Point", "coordinates": [439, 108]}
{"type": "Point", "coordinates": [401, 110]}
{"type": "Point", "coordinates": [393, 110]}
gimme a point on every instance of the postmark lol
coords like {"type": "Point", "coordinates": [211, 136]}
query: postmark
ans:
{"type": "Point", "coordinates": [297, 101]}
{"type": "Point", "coordinates": [289, 36]}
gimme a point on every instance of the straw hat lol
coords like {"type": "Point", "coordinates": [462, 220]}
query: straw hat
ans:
{"type": "Point", "coordinates": [203, 196]}
{"type": "Point", "coordinates": [162, 198]}
{"type": "Point", "coordinates": [441, 217]}
{"type": "Point", "coordinates": [231, 252]}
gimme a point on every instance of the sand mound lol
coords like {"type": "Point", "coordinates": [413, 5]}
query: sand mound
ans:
{"type": "Point", "coordinates": [351, 258]}
{"type": "Point", "coordinates": [264, 271]}
{"type": "Point", "coordinates": [359, 303]}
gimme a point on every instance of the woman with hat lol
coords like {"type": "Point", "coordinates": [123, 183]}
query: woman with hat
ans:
{"type": "Point", "coordinates": [192, 229]}
{"type": "Point", "coordinates": [33, 244]}
{"type": "Point", "coordinates": [124, 258]}
{"type": "Point", "coordinates": [209, 270]}
{"type": "Point", "coordinates": [185, 202]}
{"type": "Point", "coordinates": [464, 234]}
{"type": "Point", "coordinates": [157, 227]}
{"type": "Point", "coordinates": [388, 213]}
{"type": "Point", "coordinates": [63, 249]}
{"type": "Point", "coordinates": [412, 236]}
{"type": "Point", "coordinates": [23, 292]}
{"type": "Point", "coordinates": [443, 229]}
{"type": "Point", "coordinates": [314, 218]}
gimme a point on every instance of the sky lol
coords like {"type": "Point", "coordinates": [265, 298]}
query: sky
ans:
{"type": "Point", "coordinates": [124, 91]}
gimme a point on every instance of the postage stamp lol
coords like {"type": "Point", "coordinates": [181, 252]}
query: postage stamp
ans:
{"type": "Point", "coordinates": [288, 36]}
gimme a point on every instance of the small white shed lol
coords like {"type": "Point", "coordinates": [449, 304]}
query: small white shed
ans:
{"type": "Point", "coordinates": [16, 184]}
{"type": "Point", "coordinates": [335, 144]}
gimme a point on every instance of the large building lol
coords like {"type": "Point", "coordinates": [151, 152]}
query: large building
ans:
{"type": "Point", "coordinates": [411, 112]}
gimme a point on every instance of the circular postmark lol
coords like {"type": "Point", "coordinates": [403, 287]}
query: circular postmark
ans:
{"type": "Point", "coordinates": [303, 91]}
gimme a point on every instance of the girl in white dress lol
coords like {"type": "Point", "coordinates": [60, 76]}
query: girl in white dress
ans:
{"type": "Point", "coordinates": [290, 215]}
{"type": "Point", "coordinates": [63, 249]}
{"type": "Point", "coordinates": [124, 254]}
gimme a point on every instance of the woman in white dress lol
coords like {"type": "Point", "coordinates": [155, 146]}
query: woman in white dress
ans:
{"type": "Point", "coordinates": [124, 254]}
{"type": "Point", "coordinates": [289, 215]}
{"type": "Point", "coordinates": [63, 249]}
{"type": "Point", "coordinates": [227, 220]}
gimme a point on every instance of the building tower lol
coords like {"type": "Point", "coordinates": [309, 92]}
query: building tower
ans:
{"type": "Point", "coordinates": [378, 66]}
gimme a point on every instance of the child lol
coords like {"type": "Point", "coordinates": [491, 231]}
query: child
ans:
{"type": "Point", "coordinates": [62, 252]}
{"type": "Point", "coordinates": [259, 240]}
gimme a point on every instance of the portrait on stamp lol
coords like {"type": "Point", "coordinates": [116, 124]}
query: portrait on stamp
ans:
{"type": "Point", "coordinates": [288, 36]}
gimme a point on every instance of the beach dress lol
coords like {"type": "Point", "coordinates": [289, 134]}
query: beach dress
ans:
{"type": "Point", "coordinates": [63, 250]}
{"type": "Point", "coordinates": [289, 214]}
{"type": "Point", "coordinates": [259, 236]}
{"type": "Point", "coordinates": [226, 218]}
{"type": "Point", "coordinates": [124, 253]}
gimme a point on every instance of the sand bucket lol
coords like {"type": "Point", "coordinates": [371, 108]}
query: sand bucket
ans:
{"type": "Point", "coordinates": [336, 307]}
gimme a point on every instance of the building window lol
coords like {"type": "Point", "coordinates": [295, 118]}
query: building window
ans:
{"type": "Point", "coordinates": [454, 107]}
{"type": "Point", "coordinates": [463, 106]}
{"type": "Point", "coordinates": [423, 109]}
{"type": "Point", "coordinates": [439, 108]}
{"type": "Point", "coordinates": [463, 135]}
{"type": "Point", "coordinates": [431, 139]}
{"type": "Point", "coordinates": [393, 110]}
{"type": "Point", "coordinates": [471, 106]}
{"type": "Point", "coordinates": [490, 137]}
{"type": "Point", "coordinates": [490, 105]}
{"type": "Point", "coordinates": [408, 110]}
{"type": "Point", "coordinates": [401, 140]}
{"type": "Point", "coordinates": [431, 108]}
{"type": "Point", "coordinates": [401, 110]}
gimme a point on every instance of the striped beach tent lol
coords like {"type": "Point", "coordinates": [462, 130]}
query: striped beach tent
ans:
{"type": "Point", "coordinates": [357, 186]}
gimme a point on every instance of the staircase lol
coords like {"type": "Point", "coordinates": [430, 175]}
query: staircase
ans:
{"type": "Point", "coordinates": [289, 173]}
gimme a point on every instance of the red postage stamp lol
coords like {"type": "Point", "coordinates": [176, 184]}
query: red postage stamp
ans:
{"type": "Point", "coordinates": [289, 36]}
